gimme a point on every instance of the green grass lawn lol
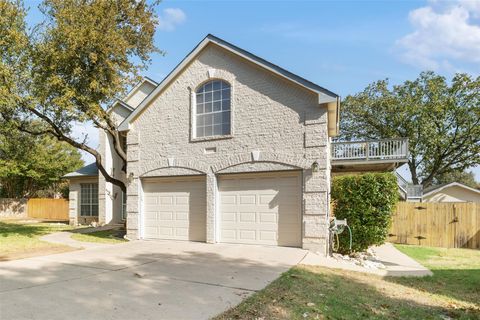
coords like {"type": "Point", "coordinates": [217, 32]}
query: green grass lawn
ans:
{"type": "Point", "coordinates": [21, 240]}
{"type": "Point", "coordinates": [105, 236]}
{"type": "Point", "coordinates": [306, 292]}
{"type": "Point", "coordinates": [456, 273]}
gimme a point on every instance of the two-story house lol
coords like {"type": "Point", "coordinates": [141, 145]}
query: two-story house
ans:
{"type": "Point", "coordinates": [227, 148]}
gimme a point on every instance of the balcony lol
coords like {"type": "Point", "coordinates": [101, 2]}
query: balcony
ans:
{"type": "Point", "coordinates": [364, 156]}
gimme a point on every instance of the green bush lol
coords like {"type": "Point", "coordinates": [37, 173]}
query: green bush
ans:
{"type": "Point", "coordinates": [367, 202]}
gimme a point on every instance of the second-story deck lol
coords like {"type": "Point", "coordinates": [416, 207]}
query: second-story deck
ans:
{"type": "Point", "coordinates": [375, 155]}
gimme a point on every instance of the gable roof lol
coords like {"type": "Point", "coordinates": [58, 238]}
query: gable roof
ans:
{"type": "Point", "coordinates": [138, 85]}
{"type": "Point", "coordinates": [121, 103]}
{"type": "Point", "coordinates": [324, 95]}
{"type": "Point", "coordinates": [440, 187]}
{"type": "Point", "coordinates": [90, 170]}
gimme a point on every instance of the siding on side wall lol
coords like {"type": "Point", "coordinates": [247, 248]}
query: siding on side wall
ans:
{"type": "Point", "coordinates": [453, 194]}
{"type": "Point", "coordinates": [140, 94]}
{"type": "Point", "coordinates": [109, 195]}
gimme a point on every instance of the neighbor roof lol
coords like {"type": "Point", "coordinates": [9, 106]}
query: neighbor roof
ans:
{"type": "Point", "coordinates": [90, 170]}
{"type": "Point", "coordinates": [324, 95]}
{"type": "Point", "coordinates": [138, 85]}
{"type": "Point", "coordinates": [438, 188]}
{"type": "Point", "coordinates": [119, 102]}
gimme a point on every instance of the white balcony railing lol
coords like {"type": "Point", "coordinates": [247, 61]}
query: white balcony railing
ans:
{"type": "Point", "coordinates": [389, 149]}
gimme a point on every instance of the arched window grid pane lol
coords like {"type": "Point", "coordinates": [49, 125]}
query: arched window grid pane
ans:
{"type": "Point", "coordinates": [213, 109]}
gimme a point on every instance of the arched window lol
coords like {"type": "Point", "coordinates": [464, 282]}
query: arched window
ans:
{"type": "Point", "coordinates": [213, 109]}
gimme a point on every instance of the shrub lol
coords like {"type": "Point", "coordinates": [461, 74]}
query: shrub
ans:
{"type": "Point", "coordinates": [367, 202]}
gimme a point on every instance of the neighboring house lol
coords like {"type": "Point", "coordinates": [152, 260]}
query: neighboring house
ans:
{"type": "Point", "coordinates": [83, 195]}
{"type": "Point", "coordinates": [451, 192]}
{"type": "Point", "coordinates": [408, 191]}
{"type": "Point", "coordinates": [227, 148]}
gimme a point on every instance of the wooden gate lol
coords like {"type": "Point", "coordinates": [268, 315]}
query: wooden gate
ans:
{"type": "Point", "coordinates": [449, 225]}
{"type": "Point", "coordinates": [48, 209]}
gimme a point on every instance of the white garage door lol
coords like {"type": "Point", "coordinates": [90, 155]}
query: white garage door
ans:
{"type": "Point", "coordinates": [175, 208]}
{"type": "Point", "coordinates": [261, 208]}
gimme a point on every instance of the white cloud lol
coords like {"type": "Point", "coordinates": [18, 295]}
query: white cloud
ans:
{"type": "Point", "coordinates": [445, 36]}
{"type": "Point", "coordinates": [170, 18]}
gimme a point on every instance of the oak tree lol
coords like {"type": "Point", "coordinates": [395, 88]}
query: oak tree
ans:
{"type": "Point", "coordinates": [440, 118]}
{"type": "Point", "coordinates": [71, 66]}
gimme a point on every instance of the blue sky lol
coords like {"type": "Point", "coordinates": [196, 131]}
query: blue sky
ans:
{"type": "Point", "coordinates": [341, 45]}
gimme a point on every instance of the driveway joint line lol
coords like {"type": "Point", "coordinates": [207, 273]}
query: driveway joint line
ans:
{"type": "Point", "coordinates": [54, 282]}
{"type": "Point", "coordinates": [212, 284]}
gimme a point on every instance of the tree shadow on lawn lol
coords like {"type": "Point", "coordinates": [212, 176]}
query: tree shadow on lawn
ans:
{"type": "Point", "coordinates": [321, 293]}
{"type": "Point", "coordinates": [460, 284]}
{"type": "Point", "coordinates": [28, 229]}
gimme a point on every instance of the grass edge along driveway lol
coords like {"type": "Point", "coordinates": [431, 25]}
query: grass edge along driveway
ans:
{"type": "Point", "coordinates": [308, 292]}
{"type": "Point", "coordinates": [110, 236]}
{"type": "Point", "coordinates": [20, 240]}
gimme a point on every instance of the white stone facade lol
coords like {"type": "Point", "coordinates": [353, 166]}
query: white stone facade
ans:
{"type": "Point", "coordinates": [277, 124]}
{"type": "Point", "coordinates": [271, 115]}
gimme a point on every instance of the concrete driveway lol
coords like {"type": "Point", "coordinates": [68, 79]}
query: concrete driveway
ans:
{"type": "Point", "coordinates": [139, 280]}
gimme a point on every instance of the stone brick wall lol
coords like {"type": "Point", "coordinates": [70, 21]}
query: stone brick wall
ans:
{"type": "Point", "coordinates": [281, 120]}
{"type": "Point", "coordinates": [13, 208]}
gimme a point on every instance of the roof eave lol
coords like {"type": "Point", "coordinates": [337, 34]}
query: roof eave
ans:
{"type": "Point", "coordinates": [333, 117]}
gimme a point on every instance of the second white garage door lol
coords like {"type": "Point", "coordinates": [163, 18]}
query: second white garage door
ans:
{"type": "Point", "coordinates": [261, 208]}
{"type": "Point", "coordinates": [175, 208]}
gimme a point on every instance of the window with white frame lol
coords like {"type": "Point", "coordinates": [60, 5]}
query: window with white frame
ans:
{"type": "Point", "coordinates": [212, 117]}
{"type": "Point", "coordinates": [89, 199]}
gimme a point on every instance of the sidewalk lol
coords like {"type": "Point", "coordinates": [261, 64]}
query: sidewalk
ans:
{"type": "Point", "coordinates": [396, 263]}
{"type": "Point", "coordinates": [64, 237]}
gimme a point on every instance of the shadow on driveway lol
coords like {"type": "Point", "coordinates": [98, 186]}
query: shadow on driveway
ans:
{"type": "Point", "coordinates": [139, 280]}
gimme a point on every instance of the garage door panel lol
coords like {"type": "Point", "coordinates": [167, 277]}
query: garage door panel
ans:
{"type": "Point", "coordinates": [166, 216]}
{"type": "Point", "coordinates": [151, 231]}
{"type": "Point", "coordinates": [247, 235]}
{"type": "Point", "coordinates": [165, 232]}
{"type": "Point", "coordinates": [150, 215]}
{"type": "Point", "coordinates": [181, 200]}
{"type": "Point", "coordinates": [151, 200]}
{"type": "Point", "coordinates": [179, 216]}
{"type": "Point", "coordinates": [181, 232]}
{"type": "Point", "coordinates": [175, 209]}
{"type": "Point", "coordinates": [261, 209]}
{"type": "Point", "coordinates": [228, 217]}
{"type": "Point", "coordinates": [228, 199]}
{"type": "Point", "coordinates": [268, 217]}
{"type": "Point", "coordinates": [248, 199]}
{"type": "Point", "coordinates": [268, 235]}
{"type": "Point", "coordinates": [266, 198]}
{"type": "Point", "coordinates": [247, 217]}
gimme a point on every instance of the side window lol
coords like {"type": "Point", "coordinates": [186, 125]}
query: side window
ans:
{"type": "Point", "coordinates": [89, 199]}
{"type": "Point", "coordinates": [213, 109]}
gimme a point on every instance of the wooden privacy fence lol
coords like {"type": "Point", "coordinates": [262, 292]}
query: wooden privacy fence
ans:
{"type": "Point", "coordinates": [449, 225]}
{"type": "Point", "coordinates": [51, 209]}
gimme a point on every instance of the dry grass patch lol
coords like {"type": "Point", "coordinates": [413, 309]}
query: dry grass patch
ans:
{"type": "Point", "coordinates": [308, 292]}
